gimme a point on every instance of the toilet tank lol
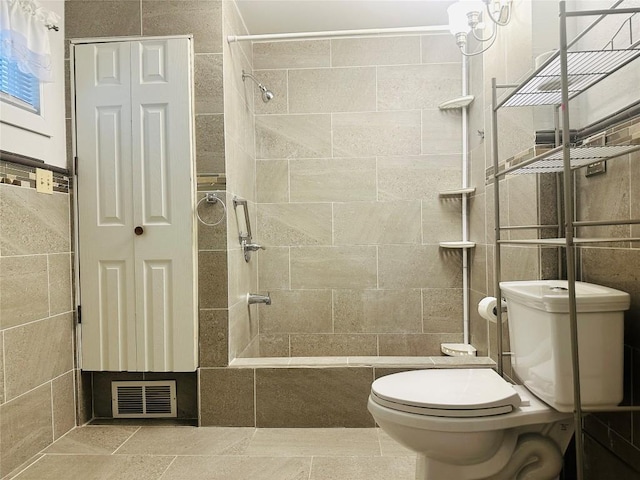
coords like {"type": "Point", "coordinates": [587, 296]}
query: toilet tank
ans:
{"type": "Point", "coordinates": [539, 332]}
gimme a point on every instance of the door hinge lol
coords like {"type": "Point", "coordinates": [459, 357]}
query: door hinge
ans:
{"type": "Point", "coordinates": [79, 314]}
{"type": "Point", "coordinates": [75, 165]}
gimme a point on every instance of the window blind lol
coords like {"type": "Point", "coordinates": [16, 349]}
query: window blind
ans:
{"type": "Point", "coordinates": [19, 88]}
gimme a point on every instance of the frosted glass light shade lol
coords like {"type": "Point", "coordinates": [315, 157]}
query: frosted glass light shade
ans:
{"type": "Point", "coordinates": [458, 15]}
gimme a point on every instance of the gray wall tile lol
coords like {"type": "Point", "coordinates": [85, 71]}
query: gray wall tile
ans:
{"type": "Point", "coordinates": [376, 223]}
{"type": "Point", "coordinates": [24, 284]}
{"type": "Point", "coordinates": [333, 267]}
{"type": "Point", "coordinates": [202, 18]}
{"type": "Point", "coordinates": [440, 49]}
{"type": "Point", "coordinates": [59, 283]}
{"type": "Point", "coordinates": [413, 177]}
{"type": "Point", "coordinates": [287, 136]}
{"type": "Point", "coordinates": [213, 338]}
{"type": "Point", "coordinates": [101, 19]}
{"type": "Point", "coordinates": [207, 81]}
{"type": "Point", "coordinates": [272, 181]}
{"type": "Point", "coordinates": [210, 143]}
{"type": "Point", "coordinates": [294, 223]}
{"type": "Point", "coordinates": [298, 311]}
{"type": "Point", "coordinates": [294, 54]}
{"type": "Point", "coordinates": [64, 412]}
{"type": "Point", "coordinates": [33, 223]}
{"type": "Point", "coordinates": [36, 353]}
{"type": "Point", "coordinates": [377, 311]}
{"type": "Point", "coordinates": [212, 279]}
{"type": "Point", "coordinates": [273, 269]}
{"type": "Point", "coordinates": [441, 220]}
{"type": "Point", "coordinates": [346, 52]}
{"type": "Point", "coordinates": [417, 86]}
{"type": "Point", "coordinates": [409, 344]}
{"type": "Point", "coordinates": [26, 428]}
{"type": "Point", "coordinates": [226, 396]}
{"type": "Point", "coordinates": [441, 132]}
{"type": "Point", "coordinates": [332, 90]}
{"type": "Point", "coordinates": [333, 180]}
{"type": "Point", "coordinates": [376, 133]}
{"type": "Point", "coordinates": [1, 369]}
{"type": "Point", "coordinates": [426, 266]}
{"type": "Point", "coordinates": [442, 310]}
{"type": "Point", "coordinates": [329, 397]}
{"type": "Point", "coordinates": [333, 344]}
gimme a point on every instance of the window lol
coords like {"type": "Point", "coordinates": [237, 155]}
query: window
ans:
{"type": "Point", "coordinates": [19, 88]}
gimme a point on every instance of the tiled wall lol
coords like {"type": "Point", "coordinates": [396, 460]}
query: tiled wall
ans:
{"type": "Point", "coordinates": [351, 154]}
{"type": "Point", "coordinates": [241, 182]}
{"type": "Point", "coordinates": [37, 399]}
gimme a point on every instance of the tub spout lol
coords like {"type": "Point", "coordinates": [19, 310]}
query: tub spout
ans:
{"type": "Point", "coordinates": [256, 298]}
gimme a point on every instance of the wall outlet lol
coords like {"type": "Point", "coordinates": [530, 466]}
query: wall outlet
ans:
{"type": "Point", "coordinates": [44, 181]}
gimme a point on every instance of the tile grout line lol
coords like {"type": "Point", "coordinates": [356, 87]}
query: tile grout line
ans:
{"type": "Point", "coordinates": [175, 457]}
{"type": "Point", "coordinates": [128, 438]}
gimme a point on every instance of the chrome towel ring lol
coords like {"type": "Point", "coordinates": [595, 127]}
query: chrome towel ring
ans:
{"type": "Point", "coordinates": [211, 198]}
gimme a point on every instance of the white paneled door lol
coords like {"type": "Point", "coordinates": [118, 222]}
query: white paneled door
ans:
{"type": "Point", "coordinates": [135, 194]}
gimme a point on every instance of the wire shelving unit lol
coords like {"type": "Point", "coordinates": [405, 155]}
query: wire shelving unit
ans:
{"type": "Point", "coordinates": [564, 76]}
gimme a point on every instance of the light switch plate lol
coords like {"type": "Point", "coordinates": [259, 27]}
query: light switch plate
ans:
{"type": "Point", "coordinates": [44, 181]}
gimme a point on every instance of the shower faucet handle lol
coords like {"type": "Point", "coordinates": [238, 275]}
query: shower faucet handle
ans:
{"type": "Point", "coordinates": [247, 248]}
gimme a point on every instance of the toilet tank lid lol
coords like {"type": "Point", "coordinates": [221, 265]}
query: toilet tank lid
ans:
{"type": "Point", "coordinates": [448, 389]}
{"type": "Point", "coordinates": [553, 296]}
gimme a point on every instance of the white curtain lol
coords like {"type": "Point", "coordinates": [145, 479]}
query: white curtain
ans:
{"type": "Point", "coordinates": [24, 36]}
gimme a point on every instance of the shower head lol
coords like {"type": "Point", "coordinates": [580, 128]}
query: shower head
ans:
{"type": "Point", "coordinates": [266, 93]}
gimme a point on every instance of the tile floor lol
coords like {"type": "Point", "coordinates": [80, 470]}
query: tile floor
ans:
{"type": "Point", "coordinates": [218, 453]}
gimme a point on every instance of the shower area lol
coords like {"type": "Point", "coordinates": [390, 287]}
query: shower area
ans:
{"type": "Point", "coordinates": [340, 166]}
{"type": "Point", "coordinates": [349, 156]}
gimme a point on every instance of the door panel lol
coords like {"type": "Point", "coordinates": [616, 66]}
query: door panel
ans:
{"type": "Point", "coordinates": [142, 176]}
{"type": "Point", "coordinates": [105, 214]}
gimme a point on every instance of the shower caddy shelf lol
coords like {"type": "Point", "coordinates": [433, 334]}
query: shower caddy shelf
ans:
{"type": "Point", "coordinates": [561, 78]}
{"type": "Point", "coordinates": [457, 193]}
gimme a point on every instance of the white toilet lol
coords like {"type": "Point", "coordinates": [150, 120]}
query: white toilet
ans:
{"type": "Point", "coordinates": [471, 424]}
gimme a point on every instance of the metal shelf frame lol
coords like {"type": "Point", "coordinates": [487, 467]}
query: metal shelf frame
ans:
{"type": "Point", "coordinates": [561, 78]}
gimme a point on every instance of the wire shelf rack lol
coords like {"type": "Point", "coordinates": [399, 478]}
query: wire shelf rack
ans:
{"type": "Point", "coordinates": [585, 68]}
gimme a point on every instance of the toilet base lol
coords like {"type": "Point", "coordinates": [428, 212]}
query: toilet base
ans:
{"type": "Point", "coordinates": [534, 456]}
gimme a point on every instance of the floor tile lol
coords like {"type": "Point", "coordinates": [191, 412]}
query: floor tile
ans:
{"type": "Point", "coordinates": [188, 441]}
{"type": "Point", "coordinates": [97, 467]}
{"type": "Point", "coordinates": [97, 440]}
{"type": "Point", "coordinates": [317, 441]}
{"type": "Point", "coordinates": [363, 468]}
{"type": "Point", "coordinates": [239, 468]}
{"type": "Point", "coordinates": [391, 448]}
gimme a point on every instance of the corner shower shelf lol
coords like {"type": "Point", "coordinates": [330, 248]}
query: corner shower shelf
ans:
{"type": "Point", "coordinates": [552, 160]}
{"type": "Point", "coordinates": [459, 191]}
{"type": "Point", "coordinates": [585, 68]}
{"type": "Point", "coordinates": [457, 244]}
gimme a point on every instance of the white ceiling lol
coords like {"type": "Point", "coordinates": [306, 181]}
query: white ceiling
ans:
{"type": "Point", "coordinates": [284, 16]}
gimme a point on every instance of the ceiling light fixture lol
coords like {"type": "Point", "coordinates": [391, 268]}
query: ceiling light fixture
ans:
{"type": "Point", "coordinates": [465, 17]}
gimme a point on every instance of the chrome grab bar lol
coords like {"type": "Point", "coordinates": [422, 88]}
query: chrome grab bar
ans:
{"type": "Point", "coordinates": [245, 238]}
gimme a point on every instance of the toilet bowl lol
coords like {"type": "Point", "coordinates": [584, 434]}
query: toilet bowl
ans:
{"type": "Point", "coordinates": [471, 424]}
{"type": "Point", "coordinates": [479, 426]}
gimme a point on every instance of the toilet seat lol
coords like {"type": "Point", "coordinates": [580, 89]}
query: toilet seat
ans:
{"type": "Point", "coordinates": [470, 392]}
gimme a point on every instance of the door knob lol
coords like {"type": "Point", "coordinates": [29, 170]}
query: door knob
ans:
{"type": "Point", "coordinates": [138, 230]}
